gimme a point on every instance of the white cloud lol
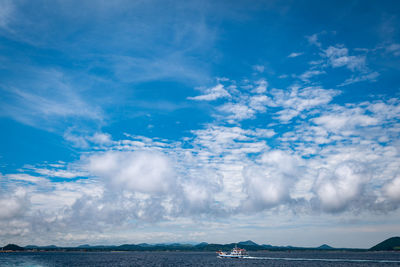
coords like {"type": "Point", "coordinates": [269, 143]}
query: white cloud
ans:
{"type": "Point", "coordinates": [59, 173]}
{"type": "Point", "coordinates": [345, 121]}
{"type": "Point", "coordinates": [6, 11]}
{"type": "Point", "coordinates": [244, 105]}
{"type": "Point", "coordinates": [264, 188]}
{"type": "Point", "coordinates": [101, 138]}
{"type": "Point", "coordinates": [213, 93]}
{"type": "Point", "coordinates": [13, 205]}
{"type": "Point", "coordinates": [371, 77]}
{"type": "Point", "coordinates": [259, 102]}
{"type": "Point", "coordinates": [219, 140]}
{"type": "Point", "coordinates": [259, 68]}
{"type": "Point", "coordinates": [51, 95]}
{"type": "Point", "coordinates": [338, 187]}
{"type": "Point", "coordinates": [84, 140]}
{"type": "Point", "coordinates": [269, 183]}
{"type": "Point", "coordinates": [392, 189]}
{"type": "Point", "coordinates": [145, 172]}
{"type": "Point", "coordinates": [338, 57]}
{"type": "Point", "coordinates": [294, 54]}
{"type": "Point", "coordinates": [141, 69]}
{"type": "Point", "coordinates": [261, 87]}
{"type": "Point", "coordinates": [308, 74]}
{"type": "Point", "coordinates": [75, 138]}
{"type": "Point", "coordinates": [199, 192]}
{"type": "Point", "coordinates": [394, 48]}
{"type": "Point", "coordinates": [297, 100]}
{"type": "Point", "coordinates": [385, 111]}
{"type": "Point", "coordinates": [313, 39]}
{"type": "Point", "coordinates": [237, 111]}
{"type": "Point", "coordinates": [26, 178]}
{"type": "Point", "coordinates": [282, 160]}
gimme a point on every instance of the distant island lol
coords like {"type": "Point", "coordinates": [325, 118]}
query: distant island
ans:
{"type": "Point", "coordinates": [391, 244]}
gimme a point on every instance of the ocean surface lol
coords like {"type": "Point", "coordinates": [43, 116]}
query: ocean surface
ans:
{"type": "Point", "coordinates": [305, 258]}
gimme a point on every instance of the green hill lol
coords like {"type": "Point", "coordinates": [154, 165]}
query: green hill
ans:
{"type": "Point", "coordinates": [247, 243]}
{"type": "Point", "coordinates": [324, 246]}
{"type": "Point", "coordinates": [13, 247]}
{"type": "Point", "coordinates": [392, 243]}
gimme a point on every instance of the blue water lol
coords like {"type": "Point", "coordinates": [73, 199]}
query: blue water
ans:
{"type": "Point", "coordinates": [308, 258]}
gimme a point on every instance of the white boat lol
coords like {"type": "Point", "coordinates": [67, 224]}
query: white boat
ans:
{"type": "Point", "coordinates": [235, 253]}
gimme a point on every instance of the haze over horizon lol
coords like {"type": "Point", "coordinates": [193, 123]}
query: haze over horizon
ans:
{"type": "Point", "coordinates": [191, 121]}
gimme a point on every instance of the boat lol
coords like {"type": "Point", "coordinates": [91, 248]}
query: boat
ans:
{"type": "Point", "coordinates": [237, 253]}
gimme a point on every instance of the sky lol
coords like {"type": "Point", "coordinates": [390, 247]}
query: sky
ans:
{"type": "Point", "coordinates": [191, 121]}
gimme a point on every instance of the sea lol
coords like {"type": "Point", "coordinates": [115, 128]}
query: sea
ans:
{"type": "Point", "coordinates": [294, 258]}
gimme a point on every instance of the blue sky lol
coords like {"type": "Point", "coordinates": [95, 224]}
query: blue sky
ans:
{"type": "Point", "coordinates": [190, 121]}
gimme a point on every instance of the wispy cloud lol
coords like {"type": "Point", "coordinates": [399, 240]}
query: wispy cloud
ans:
{"type": "Point", "coordinates": [370, 77]}
{"type": "Point", "coordinates": [294, 54]}
{"type": "Point", "coordinates": [6, 11]}
{"type": "Point", "coordinates": [213, 93]}
{"type": "Point", "coordinates": [259, 68]}
{"type": "Point", "coordinates": [394, 48]}
{"type": "Point", "coordinates": [313, 39]}
{"type": "Point", "coordinates": [308, 74]}
{"type": "Point", "coordinates": [52, 97]}
{"type": "Point", "coordinates": [339, 57]}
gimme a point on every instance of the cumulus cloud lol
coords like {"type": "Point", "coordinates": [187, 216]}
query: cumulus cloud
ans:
{"type": "Point", "coordinates": [338, 187]}
{"type": "Point", "coordinates": [268, 183]}
{"type": "Point", "coordinates": [145, 172]}
{"type": "Point", "coordinates": [13, 205]}
{"type": "Point", "coordinates": [199, 190]}
{"type": "Point", "coordinates": [392, 189]}
{"type": "Point", "coordinates": [264, 188]}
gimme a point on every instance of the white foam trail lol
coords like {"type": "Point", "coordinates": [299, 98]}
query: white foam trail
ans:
{"type": "Point", "coordinates": [326, 260]}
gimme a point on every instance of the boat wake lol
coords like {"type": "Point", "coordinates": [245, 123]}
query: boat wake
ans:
{"type": "Point", "coordinates": [322, 260]}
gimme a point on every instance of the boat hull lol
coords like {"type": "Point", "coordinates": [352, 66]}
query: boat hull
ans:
{"type": "Point", "coordinates": [230, 256]}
